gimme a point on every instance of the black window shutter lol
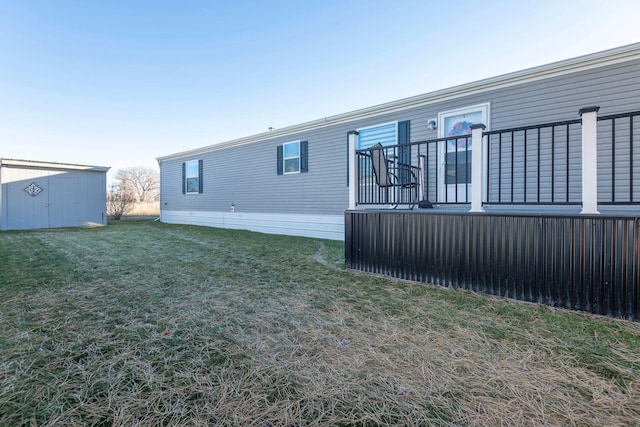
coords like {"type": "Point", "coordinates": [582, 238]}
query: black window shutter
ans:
{"type": "Point", "coordinates": [280, 157]}
{"type": "Point", "coordinates": [404, 153]}
{"type": "Point", "coordinates": [184, 177]}
{"type": "Point", "coordinates": [304, 156]}
{"type": "Point", "coordinates": [200, 176]}
{"type": "Point", "coordinates": [403, 132]}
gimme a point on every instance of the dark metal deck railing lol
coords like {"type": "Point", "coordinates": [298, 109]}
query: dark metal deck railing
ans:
{"type": "Point", "coordinates": [618, 174]}
{"type": "Point", "coordinates": [530, 165]}
{"type": "Point", "coordinates": [534, 165]}
{"type": "Point", "coordinates": [398, 161]}
{"type": "Point", "coordinates": [447, 185]}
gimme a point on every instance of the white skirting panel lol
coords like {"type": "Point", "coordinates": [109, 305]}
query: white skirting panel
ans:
{"type": "Point", "coordinates": [317, 226]}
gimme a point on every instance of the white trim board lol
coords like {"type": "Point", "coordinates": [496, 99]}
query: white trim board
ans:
{"type": "Point", "coordinates": [33, 164]}
{"type": "Point", "coordinates": [317, 226]}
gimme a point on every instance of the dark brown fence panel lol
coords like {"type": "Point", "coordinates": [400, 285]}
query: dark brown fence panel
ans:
{"type": "Point", "coordinates": [589, 263]}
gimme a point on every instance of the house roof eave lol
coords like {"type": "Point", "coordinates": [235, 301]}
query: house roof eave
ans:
{"type": "Point", "coordinates": [567, 66]}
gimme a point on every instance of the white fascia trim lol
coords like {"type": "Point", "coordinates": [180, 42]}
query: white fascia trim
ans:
{"type": "Point", "coordinates": [32, 164]}
{"type": "Point", "coordinates": [304, 225]}
{"type": "Point", "coordinates": [568, 66]}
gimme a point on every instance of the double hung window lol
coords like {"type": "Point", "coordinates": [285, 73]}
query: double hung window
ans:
{"type": "Point", "coordinates": [293, 157]}
{"type": "Point", "coordinates": [192, 177]}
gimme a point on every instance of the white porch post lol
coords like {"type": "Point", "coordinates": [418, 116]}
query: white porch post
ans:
{"type": "Point", "coordinates": [352, 138]}
{"type": "Point", "coordinates": [589, 160]}
{"type": "Point", "coordinates": [476, 167]}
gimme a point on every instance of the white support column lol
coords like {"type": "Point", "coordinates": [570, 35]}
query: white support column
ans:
{"type": "Point", "coordinates": [589, 160]}
{"type": "Point", "coordinates": [476, 167]}
{"type": "Point", "coordinates": [352, 138]}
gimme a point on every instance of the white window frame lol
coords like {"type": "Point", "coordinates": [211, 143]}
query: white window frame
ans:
{"type": "Point", "coordinates": [187, 166]}
{"type": "Point", "coordinates": [285, 158]}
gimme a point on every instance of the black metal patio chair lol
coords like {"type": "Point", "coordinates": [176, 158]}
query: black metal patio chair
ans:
{"type": "Point", "coordinates": [391, 174]}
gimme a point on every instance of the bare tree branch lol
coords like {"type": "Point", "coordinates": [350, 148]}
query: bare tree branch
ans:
{"type": "Point", "coordinates": [119, 201]}
{"type": "Point", "coordinates": [143, 182]}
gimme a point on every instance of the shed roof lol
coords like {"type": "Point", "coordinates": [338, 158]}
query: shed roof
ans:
{"type": "Point", "coordinates": [581, 63]}
{"type": "Point", "coordinates": [33, 164]}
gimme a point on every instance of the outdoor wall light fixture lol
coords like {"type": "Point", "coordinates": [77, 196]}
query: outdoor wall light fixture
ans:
{"type": "Point", "coordinates": [233, 207]}
{"type": "Point", "coordinates": [432, 124]}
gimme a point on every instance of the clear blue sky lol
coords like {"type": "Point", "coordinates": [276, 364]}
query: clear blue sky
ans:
{"type": "Point", "coordinates": [119, 83]}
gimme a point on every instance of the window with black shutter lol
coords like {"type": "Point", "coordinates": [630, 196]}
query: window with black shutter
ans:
{"type": "Point", "coordinates": [292, 157]}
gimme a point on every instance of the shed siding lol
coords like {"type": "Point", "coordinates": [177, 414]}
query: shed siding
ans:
{"type": "Point", "coordinates": [246, 176]}
{"type": "Point", "coordinates": [70, 198]}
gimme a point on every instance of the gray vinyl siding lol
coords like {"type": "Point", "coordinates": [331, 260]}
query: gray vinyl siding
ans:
{"type": "Point", "coordinates": [245, 175]}
{"type": "Point", "coordinates": [615, 89]}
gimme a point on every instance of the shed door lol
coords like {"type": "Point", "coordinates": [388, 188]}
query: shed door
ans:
{"type": "Point", "coordinates": [27, 204]}
{"type": "Point", "coordinates": [64, 202]}
{"type": "Point", "coordinates": [44, 202]}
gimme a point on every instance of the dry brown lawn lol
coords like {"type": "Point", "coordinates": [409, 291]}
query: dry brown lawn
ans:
{"type": "Point", "coordinates": [147, 324]}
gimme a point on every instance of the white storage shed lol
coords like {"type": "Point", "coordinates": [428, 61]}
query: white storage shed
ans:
{"type": "Point", "coordinates": [51, 195]}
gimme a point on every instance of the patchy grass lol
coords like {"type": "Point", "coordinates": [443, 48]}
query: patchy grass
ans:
{"type": "Point", "coordinates": [142, 323]}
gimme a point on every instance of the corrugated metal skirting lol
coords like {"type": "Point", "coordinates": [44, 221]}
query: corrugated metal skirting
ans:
{"type": "Point", "coordinates": [589, 263]}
